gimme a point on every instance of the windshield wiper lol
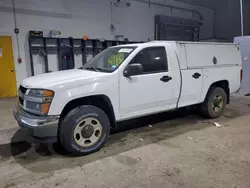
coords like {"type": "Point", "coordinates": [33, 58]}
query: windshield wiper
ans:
{"type": "Point", "coordinates": [91, 68]}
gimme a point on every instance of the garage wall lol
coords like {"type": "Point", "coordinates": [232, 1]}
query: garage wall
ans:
{"type": "Point", "coordinates": [247, 17]}
{"type": "Point", "coordinates": [228, 20]}
{"type": "Point", "coordinates": [88, 17]}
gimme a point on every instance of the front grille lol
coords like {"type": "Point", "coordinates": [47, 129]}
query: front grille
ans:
{"type": "Point", "coordinates": [22, 89]}
{"type": "Point", "coordinates": [21, 101]}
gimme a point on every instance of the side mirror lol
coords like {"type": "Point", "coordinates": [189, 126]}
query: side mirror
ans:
{"type": "Point", "coordinates": [133, 69]}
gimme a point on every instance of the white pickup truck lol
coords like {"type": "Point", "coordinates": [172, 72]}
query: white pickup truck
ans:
{"type": "Point", "coordinates": [79, 107]}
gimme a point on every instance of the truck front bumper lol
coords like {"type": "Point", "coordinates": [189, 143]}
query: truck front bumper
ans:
{"type": "Point", "coordinates": [39, 129]}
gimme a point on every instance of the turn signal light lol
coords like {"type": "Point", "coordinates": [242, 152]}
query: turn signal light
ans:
{"type": "Point", "coordinates": [48, 93]}
{"type": "Point", "coordinates": [45, 108]}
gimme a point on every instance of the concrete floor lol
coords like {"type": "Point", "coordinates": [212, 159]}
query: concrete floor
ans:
{"type": "Point", "coordinates": [179, 150]}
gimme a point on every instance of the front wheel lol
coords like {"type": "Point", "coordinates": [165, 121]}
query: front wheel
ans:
{"type": "Point", "coordinates": [215, 103]}
{"type": "Point", "coordinates": [84, 130]}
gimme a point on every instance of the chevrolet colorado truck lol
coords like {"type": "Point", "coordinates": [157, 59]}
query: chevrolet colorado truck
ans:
{"type": "Point", "coordinates": [79, 107]}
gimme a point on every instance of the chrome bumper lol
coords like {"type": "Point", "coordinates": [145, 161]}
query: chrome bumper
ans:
{"type": "Point", "coordinates": [41, 128]}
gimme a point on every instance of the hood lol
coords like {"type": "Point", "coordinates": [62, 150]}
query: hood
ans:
{"type": "Point", "coordinates": [55, 78]}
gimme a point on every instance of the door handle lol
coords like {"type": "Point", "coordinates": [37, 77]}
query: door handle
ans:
{"type": "Point", "coordinates": [12, 70]}
{"type": "Point", "coordinates": [166, 78]}
{"type": "Point", "coordinates": [196, 75]}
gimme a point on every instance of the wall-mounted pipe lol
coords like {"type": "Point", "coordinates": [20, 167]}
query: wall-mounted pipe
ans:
{"type": "Point", "coordinates": [195, 12]}
{"type": "Point", "coordinates": [194, 4]}
{"type": "Point", "coordinates": [241, 18]}
{"type": "Point", "coordinates": [15, 24]}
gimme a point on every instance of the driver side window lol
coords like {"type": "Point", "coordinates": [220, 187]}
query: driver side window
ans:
{"type": "Point", "coordinates": [152, 59]}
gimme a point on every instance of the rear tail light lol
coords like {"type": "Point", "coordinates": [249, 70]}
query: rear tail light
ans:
{"type": "Point", "coordinates": [241, 74]}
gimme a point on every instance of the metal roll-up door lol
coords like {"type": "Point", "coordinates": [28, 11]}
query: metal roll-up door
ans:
{"type": "Point", "coordinates": [173, 28]}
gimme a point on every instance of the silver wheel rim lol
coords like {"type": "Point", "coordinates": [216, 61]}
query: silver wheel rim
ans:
{"type": "Point", "coordinates": [87, 132]}
{"type": "Point", "coordinates": [217, 103]}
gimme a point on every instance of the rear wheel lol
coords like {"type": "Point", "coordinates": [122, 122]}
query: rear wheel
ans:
{"type": "Point", "coordinates": [215, 103]}
{"type": "Point", "coordinates": [84, 130]}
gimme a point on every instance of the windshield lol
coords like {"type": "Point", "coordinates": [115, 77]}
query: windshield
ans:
{"type": "Point", "coordinates": [109, 60]}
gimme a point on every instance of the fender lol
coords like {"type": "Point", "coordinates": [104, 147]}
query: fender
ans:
{"type": "Point", "coordinates": [64, 96]}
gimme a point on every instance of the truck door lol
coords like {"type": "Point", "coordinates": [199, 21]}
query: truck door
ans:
{"type": "Point", "coordinates": [150, 91]}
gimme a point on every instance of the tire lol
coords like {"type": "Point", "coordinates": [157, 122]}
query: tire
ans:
{"type": "Point", "coordinates": [78, 126]}
{"type": "Point", "coordinates": [209, 107]}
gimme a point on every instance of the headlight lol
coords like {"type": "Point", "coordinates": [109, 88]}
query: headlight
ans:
{"type": "Point", "coordinates": [38, 101]}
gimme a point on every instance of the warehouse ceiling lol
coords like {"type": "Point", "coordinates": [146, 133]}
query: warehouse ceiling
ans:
{"type": "Point", "coordinates": [206, 3]}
